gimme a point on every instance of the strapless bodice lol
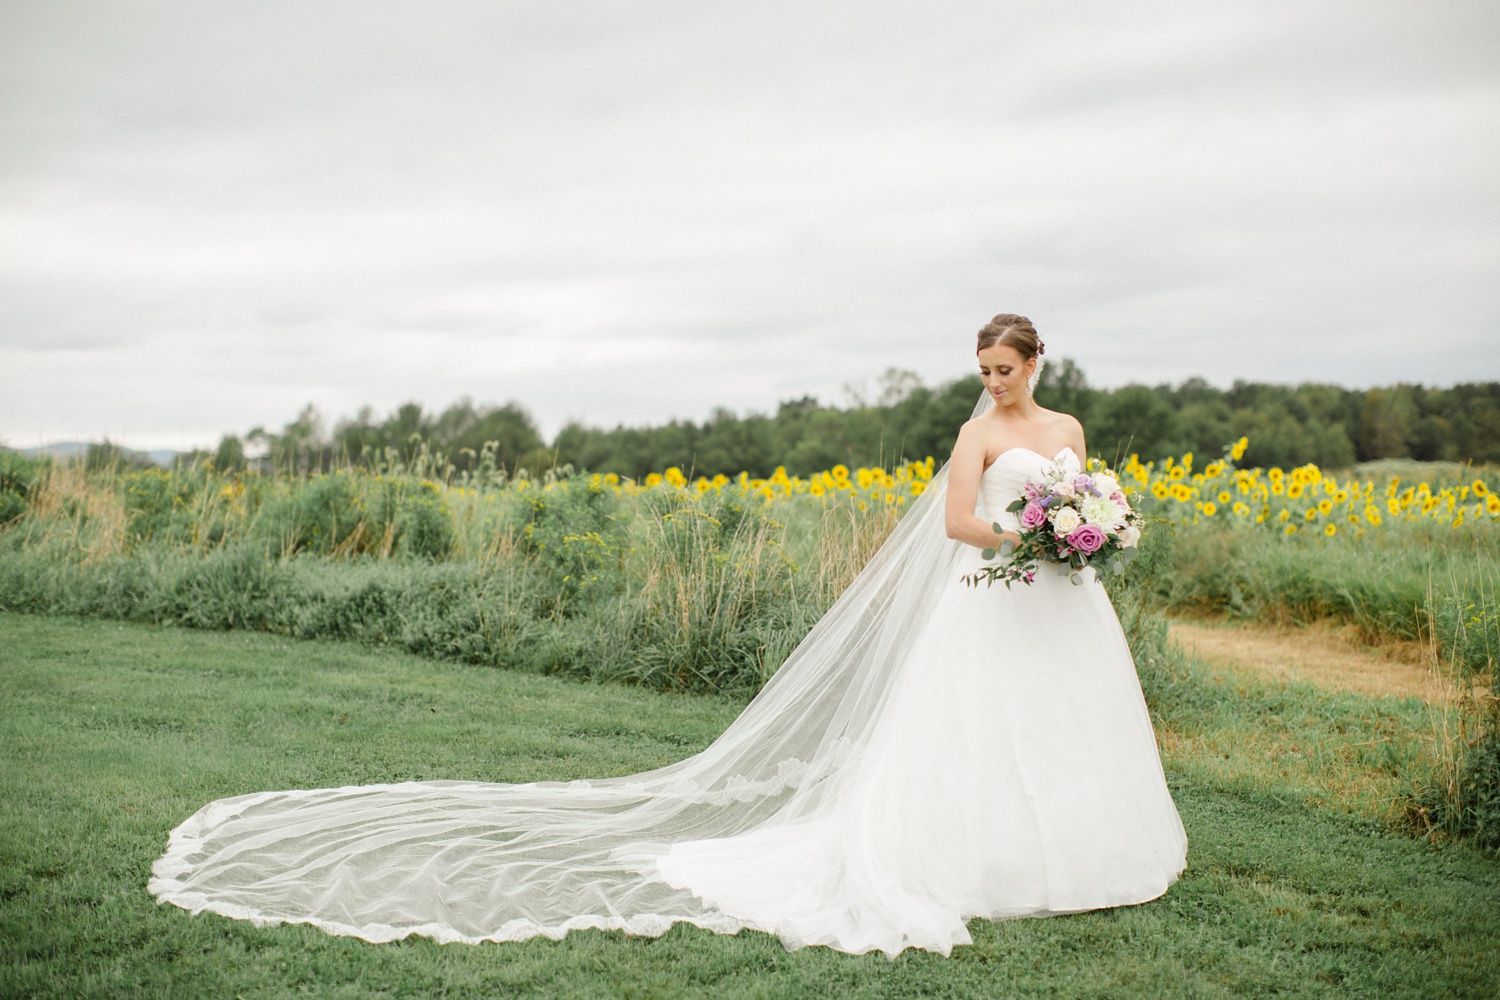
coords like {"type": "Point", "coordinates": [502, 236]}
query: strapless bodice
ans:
{"type": "Point", "coordinates": [1003, 481]}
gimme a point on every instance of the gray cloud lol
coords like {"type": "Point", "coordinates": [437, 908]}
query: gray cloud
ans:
{"type": "Point", "coordinates": [625, 212]}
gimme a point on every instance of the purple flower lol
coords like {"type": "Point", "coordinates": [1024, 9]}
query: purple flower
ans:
{"type": "Point", "coordinates": [1033, 516]}
{"type": "Point", "coordinates": [1087, 539]}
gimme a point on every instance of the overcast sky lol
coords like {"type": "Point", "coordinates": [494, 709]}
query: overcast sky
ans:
{"type": "Point", "coordinates": [212, 214]}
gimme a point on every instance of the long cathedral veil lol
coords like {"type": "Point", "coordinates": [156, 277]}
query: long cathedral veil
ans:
{"type": "Point", "coordinates": [474, 861]}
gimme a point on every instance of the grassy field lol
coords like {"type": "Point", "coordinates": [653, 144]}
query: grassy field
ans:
{"type": "Point", "coordinates": [114, 733]}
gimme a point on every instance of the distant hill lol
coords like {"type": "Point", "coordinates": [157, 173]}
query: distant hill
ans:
{"type": "Point", "coordinates": [78, 449]}
{"type": "Point", "coordinates": [58, 449]}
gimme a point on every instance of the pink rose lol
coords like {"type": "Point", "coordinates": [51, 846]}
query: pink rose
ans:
{"type": "Point", "coordinates": [1034, 515]}
{"type": "Point", "coordinates": [1087, 539]}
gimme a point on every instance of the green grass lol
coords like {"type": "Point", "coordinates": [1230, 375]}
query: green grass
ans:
{"type": "Point", "coordinates": [113, 734]}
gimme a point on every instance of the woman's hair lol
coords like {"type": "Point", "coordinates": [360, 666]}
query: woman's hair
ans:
{"type": "Point", "coordinates": [1012, 331]}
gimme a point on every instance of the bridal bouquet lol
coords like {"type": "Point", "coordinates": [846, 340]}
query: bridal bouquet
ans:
{"type": "Point", "coordinates": [1070, 520]}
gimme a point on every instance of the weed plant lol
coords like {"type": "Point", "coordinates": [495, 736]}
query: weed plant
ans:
{"type": "Point", "coordinates": [662, 588]}
{"type": "Point", "coordinates": [675, 588]}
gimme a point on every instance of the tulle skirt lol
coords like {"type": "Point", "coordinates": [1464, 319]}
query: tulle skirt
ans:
{"type": "Point", "coordinates": [1014, 772]}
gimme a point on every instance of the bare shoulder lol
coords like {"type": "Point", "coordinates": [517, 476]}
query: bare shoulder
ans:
{"type": "Point", "coordinates": [976, 429]}
{"type": "Point", "coordinates": [976, 436]}
{"type": "Point", "coordinates": [1065, 427]}
{"type": "Point", "coordinates": [1063, 424]}
{"type": "Point", "coordinates": [1066, 422]}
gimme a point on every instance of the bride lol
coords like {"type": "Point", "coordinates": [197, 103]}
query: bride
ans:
{"type": "Point", "coordinates": [929, 753]}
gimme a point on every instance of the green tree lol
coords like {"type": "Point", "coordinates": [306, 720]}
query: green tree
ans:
{"type": "Point", "coordinates": [1386, 425]}
{"type": "Point", "coordinates": [1135, 419]}
{"type": "Point", "coordinates": [230, 455]}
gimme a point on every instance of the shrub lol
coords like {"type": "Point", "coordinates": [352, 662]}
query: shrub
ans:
{"type": "Point", "coordinates": [1467, 626]}
{"type": "Point", "coordinates": [237, 586]}
{"type": "Point", "coordinates": [568, 531]}
{"type": "Point", "coordinates": [324, 515]}
{"type": "Point", "coordinates": [12, 506]}
{"type": "Point", "coordinates": [18, 475]}
{"type": "Point", "coordinates": [154, 500]}
{"type": "Point", "coordinates": [715, 607]}
{"type": "Point", "coordinates": [1463, 799]}
{"type": "Point", "coordinates": [424, 527]}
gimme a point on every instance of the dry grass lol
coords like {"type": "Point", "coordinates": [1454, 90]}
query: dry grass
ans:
{"type": "Point", "coordinates": [847, 538]}
{"type": "Point", "coordinates": [1327, 655]}
{"type": "Point", "coordinates": [91, 515]}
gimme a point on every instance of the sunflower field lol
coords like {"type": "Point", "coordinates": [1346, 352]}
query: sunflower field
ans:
{"type": "Point", "coordinates": [1305, 498]}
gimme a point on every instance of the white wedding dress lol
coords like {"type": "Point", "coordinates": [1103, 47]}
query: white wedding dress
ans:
{"type": "Point", "coordinates": [930, 753]}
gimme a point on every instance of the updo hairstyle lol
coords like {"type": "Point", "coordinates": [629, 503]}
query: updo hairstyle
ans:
{"type": "Point", "coordinates": [1012, 331]}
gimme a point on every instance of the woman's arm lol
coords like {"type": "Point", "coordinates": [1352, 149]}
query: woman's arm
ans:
{"type": "Point", "coordinates": [965, 468]}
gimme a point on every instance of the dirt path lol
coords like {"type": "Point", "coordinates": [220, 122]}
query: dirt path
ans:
{"type": "Point", "coordinates": [1318, 654]}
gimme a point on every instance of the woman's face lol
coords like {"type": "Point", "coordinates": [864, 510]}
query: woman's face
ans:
{"type": "Point", "coordinates": [1004, 373]}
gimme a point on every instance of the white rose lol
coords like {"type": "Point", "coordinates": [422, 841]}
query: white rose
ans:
{"type": "Point", "coordinates": [1064, 489]}
{"type": "Point", "coordinates": [1065, 520]}
{"type": "Point", "coordinates": [1106, 483]}
{"type": "Point", "coordinates": [1129, 536]}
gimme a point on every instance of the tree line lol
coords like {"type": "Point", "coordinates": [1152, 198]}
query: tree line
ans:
{"type": "Point", "coordinates": [1287, 426]}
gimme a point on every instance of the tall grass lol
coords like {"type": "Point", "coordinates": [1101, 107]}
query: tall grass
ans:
{"type": "Point", "coordinates": [1462, 798]}
{"type": "Point", "coordinates": [670, 589]}
{"type": "Point", "coordinates": [699, 590]}
{"type": "Point", "coordinates": [1391, 584]}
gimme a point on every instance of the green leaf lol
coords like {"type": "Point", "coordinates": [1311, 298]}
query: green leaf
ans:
{"type": "Point", "coordinates": [1016, 505]}
{"type": "Point", "coordinates": [1007, 547]}
{"type": "Point", "coordinates": [1076, 578]}
{"type": "Point", "coordinates": [987, 554]}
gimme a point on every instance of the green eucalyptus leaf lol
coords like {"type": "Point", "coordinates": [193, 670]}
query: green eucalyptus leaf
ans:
{"type": "Point", "coordinates": [987, 554]}
{"type": "Point", "coordinates": [1007, 547]}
